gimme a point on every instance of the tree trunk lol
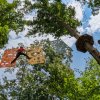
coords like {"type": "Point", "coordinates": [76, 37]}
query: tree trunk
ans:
{"type": "Point", "coordinates": [93, 51]}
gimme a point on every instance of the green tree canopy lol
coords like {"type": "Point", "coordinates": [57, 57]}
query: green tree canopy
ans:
{"type": "Point", "coordinates": [94, 3]}
{"type": "Point", "coordinates": [50, 16]}
{"type": "Point", "coordinates": [53, 79]}
{"type": "Point", "coordinates": [90, 81]}
{"type": "Point", "coordinates": [10, 19]}
{"type": "Point", "coordinates": [41, 81]}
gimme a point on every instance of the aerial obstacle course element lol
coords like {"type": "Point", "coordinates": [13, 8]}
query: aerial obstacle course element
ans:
{"type": "Point", "coordinates": [36, 55]}
{"type": "Point", "coordinates": [85, 43]}
{"type": "Point", "coordinates": [80, 44]}
{"type": "Point", "coordinates": [7, 57]}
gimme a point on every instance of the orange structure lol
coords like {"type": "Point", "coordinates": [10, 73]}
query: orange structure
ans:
{"type": "Point", "coordinates": [36, 55]}
{"type": "Point", "coordinates": [7, 57]}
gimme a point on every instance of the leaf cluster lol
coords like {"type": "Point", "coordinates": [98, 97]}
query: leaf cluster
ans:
{"type": "Point", "coordinates": [10, 19]}
{"type": "Point", "coordinates": [50, 17]}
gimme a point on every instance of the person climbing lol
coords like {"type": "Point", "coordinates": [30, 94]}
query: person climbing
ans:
{"type": "Point", "coordinates": [20, 51]}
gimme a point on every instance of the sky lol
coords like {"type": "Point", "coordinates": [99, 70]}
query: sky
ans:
{"type": "Point", "coordinates": [90, 26]}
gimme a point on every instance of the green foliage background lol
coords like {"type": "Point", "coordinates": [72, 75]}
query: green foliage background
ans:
{"type": "Point", "coordinates": [10, 19]}
{"type": "Point", "coordinates": [53, 79]}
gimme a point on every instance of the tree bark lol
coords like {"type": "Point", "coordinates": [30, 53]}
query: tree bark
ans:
{"type": "Point", "coordinates": [93, 51]}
